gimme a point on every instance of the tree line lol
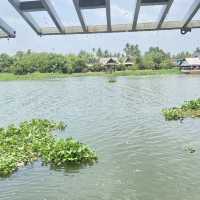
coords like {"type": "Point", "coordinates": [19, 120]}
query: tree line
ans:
{"type": "Point", "coordinates": [29, 62]}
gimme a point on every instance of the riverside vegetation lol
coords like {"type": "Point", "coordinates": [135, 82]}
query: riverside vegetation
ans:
{"type": "Point", "coordinates": [33, 140]}
{"type": "Point", "coordinates": [188, 109]}
{"type": "Point", "coordinates": [26, 63]}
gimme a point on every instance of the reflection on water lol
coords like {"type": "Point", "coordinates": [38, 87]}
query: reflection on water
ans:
{"type": "Point", "coordinates": [140, 155]}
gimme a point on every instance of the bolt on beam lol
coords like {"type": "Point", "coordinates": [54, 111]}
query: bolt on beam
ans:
{"type": "Point", "coordinates": [7, 29]}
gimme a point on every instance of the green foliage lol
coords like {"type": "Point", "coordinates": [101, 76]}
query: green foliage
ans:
{"type": "Point", "coordinates": [41, 62]}
{"type": "Point", "coordinates": [173, 114]}
{"type": "Point", "coordinates": [23, 63]}
{"type": "Point", "coordinates": [183, 55]}
{"type": "Point", "coordinates": [5, 62]}
{"type": "Point", "coordinates": [188, 109]}
{"type": "Point", "coordinates": [69, 151]}
{"type": "Point", "coordinates": [134, 52]}
{"type": "Point", "coordinates": [156, 58]}
{"type": "Point", "coordinates": [193, 105]}
{"type": "Point", "coordinates": [34, 140]}
{"type": "Point", "coordinates": [112, 80]}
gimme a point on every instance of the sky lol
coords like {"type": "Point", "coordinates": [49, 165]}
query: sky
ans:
{"type": "Point", "coordinates": [122, 11]}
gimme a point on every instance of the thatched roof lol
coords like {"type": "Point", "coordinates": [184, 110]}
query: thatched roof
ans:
{"type": "Point", "coordinates": [109, 61]}
{"type": "Point", "coordinates": [128, 60]}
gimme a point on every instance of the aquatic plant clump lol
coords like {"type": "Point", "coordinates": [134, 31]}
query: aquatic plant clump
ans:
{"type": "Point", "coordinates": [173, 114]}
{"type": "Point", "coordinates": [188, 109]}
{"type": "Point", "coordinates": [69, 151]}
{"type": "Point", "coordinates": [190, 149]}
{"type": "Point", "coordinates": [191, 105]}
{"type": "Point", "coordinates": [34, 140]}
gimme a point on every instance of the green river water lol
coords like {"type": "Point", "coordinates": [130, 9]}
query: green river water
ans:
{"type": "Point", "coordinates": [141, 157]}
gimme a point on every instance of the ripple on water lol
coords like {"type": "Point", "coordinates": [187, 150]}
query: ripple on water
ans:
{"type": "Point", "coordinates": [140, 155]}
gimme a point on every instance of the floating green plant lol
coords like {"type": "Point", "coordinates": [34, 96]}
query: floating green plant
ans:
{"type": "Point", "coordinates": [188, 109]}
{"type": "Point", "coordinates": [190, 149]}
{"type": "Point", "coordinates": [69, 151]}
{"type": "Point", "coordinates": [173, 114]}
{"type": "Point", "coordinates": [112, 80]}
{"type": "Point", "coordinates": [191, 105]}
{"type": "Point", "coordinates": [34, 140]}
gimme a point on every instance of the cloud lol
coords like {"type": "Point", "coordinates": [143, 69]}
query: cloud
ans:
{"type": "Point", "coordinates": [117, 12]}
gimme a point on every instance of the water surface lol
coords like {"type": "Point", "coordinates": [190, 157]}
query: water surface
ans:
{"type": "Point", "coordinates": [141, 157]}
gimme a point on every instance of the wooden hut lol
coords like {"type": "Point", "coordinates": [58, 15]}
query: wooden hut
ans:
{"type": "Point", "coordinates": [190, 66]}
{"type": "Point", "coordinates": [109, 64]}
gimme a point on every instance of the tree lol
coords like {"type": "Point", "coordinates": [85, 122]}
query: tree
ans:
{"type": "Point", "coordinates": [76, 63]}
{"type": "Point", "coordinates": [106, 54]}
{"type": "Point", "coordinates": [133, 51]}
{"type": "Point", "coordinates": [183, 55]}
{"type": "Point", "coordinates": [156, 58]}
{"type": "Point", "coordinates": [196, 52]}
{"type": "Point", "coordinates": [99, 53]}
{"type": "Point", "coordinates": [5, 62]}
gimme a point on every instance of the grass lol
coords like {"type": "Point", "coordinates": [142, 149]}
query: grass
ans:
{"type": "Point", "coordinates": [35, 140]}
{"type": "Point", "coordinates": [43, 76]}
{"type": "Point", "coordinates": [188, 109]}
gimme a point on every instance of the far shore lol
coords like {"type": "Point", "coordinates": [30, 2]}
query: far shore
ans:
{"type": "Point", "coordinates": [44, 76]}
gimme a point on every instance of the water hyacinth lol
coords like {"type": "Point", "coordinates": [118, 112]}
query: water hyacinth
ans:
{"type": "Point", "coordinates": [193, 105]}
{"type": "Point", "coordinates": [190, 149]}
{"type": "Point", "coordinates": [188, 109]}
{"type": "Point", "coordinates": [69, 151]}
{"type": "Point", "coordinates": [34, 140]}
{"type": "Point", "coordinates": [173, 114]}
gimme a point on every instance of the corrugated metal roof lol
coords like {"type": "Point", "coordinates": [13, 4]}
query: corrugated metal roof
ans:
{"type": "Point", "coordinates": [190, 62]}
{"type": "Point", "coordinates": [193, 61]}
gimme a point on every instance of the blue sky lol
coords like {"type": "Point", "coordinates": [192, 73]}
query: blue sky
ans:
{"type": "Point", "coordinates": [121, 12]}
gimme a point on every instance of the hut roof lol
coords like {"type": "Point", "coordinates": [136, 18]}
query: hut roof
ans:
{"type": "Point", "coordinates": [191, 62]}
{"type": "Point", "coordinates": [128, 60]}
{"type": "Point", "coordinates": [110, 60]}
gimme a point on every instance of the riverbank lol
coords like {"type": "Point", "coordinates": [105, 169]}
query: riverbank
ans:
{"type": "Point", "coordinates": [43, 76]}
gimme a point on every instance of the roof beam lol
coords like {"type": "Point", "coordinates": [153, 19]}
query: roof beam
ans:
{"type": "Point", "coordinates": [91, 4]}
{"type": "Point", "coordinates": [108, 15]}
{"type": "Point", "coordinates": [153, 2]}
{"type": "Point", "coordinates": [27, 17]}
{"type": "Point", "coordinates": [136, 14]}
{"type": "Point", "coordinates": [192, 11]}
{"type": "Point", "coordinates": [24, 7]}
{"type": "Point", "coordinates": [31, 6]}
{"type": "Point", "coordinates": [80, 15]}
{"type": "Point", "coordinates": [7, 29]}
{"type": "Point", "coordinates": [164, 13]}
{"type": "Point", "coordinates": [148, 26]}
{"type": "Point", "coordinates": [52, 12]}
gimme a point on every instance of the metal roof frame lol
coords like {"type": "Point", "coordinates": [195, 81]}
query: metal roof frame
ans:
{"type": "Point", "coordinates": [24, 8]}
{"type": "Point", "coordinates": [7, 31]}
{"type": "Point", "coordinates": [92, 4]}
